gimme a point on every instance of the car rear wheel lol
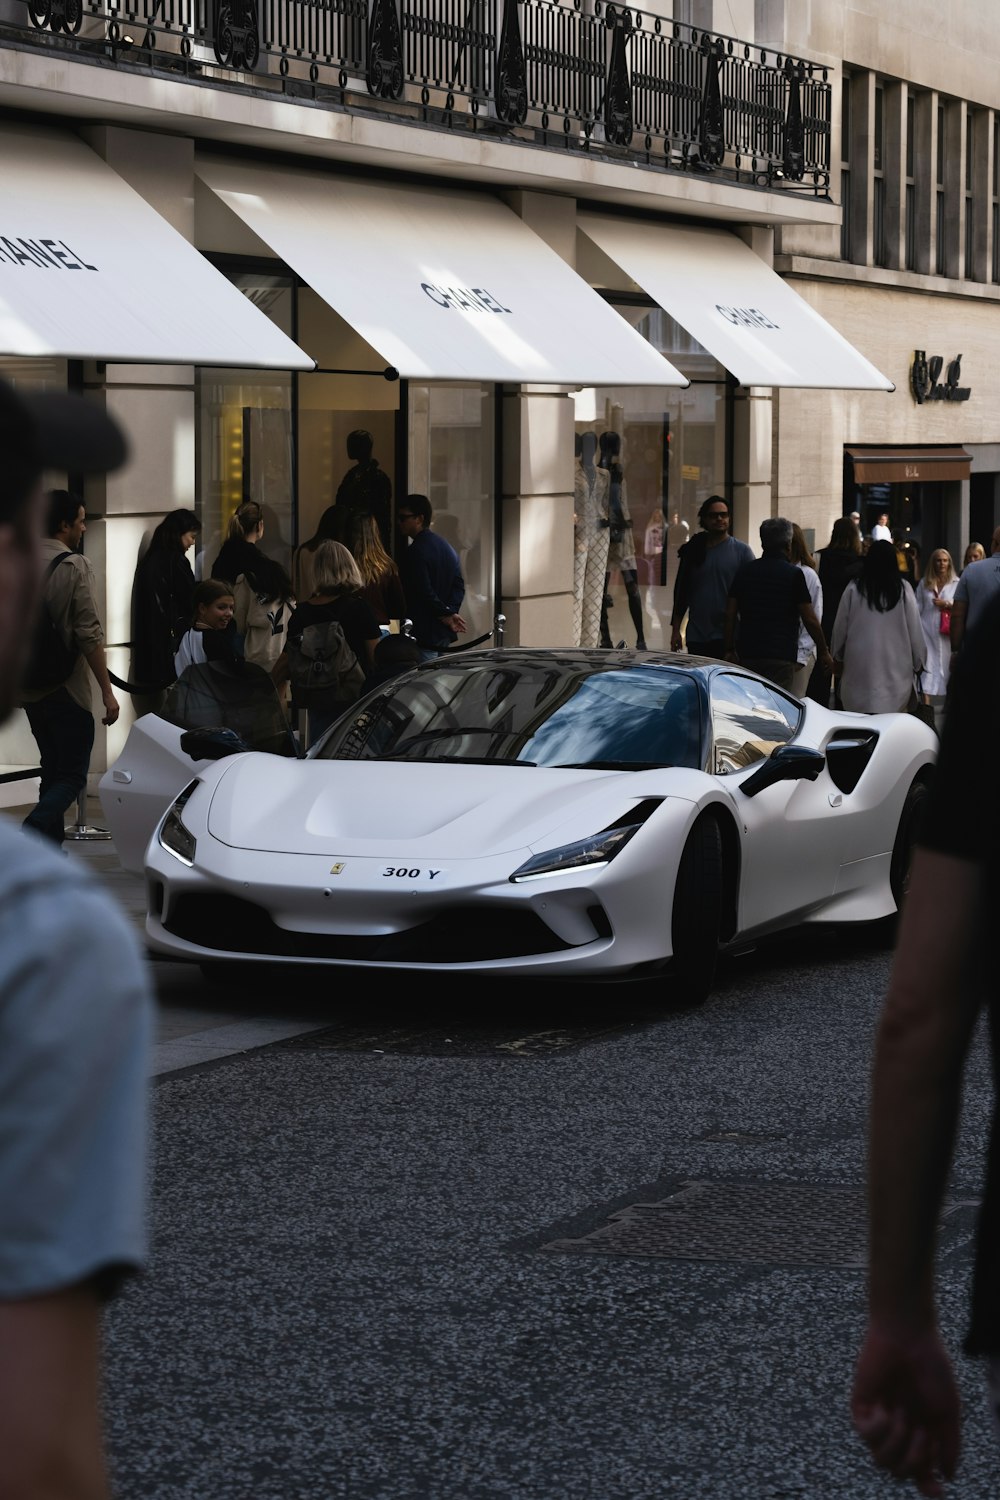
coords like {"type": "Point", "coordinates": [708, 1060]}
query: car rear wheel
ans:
{"type": "Point", "coordinates": [911, 823]}
{"type": "Point", "coordinates": [697, 914]}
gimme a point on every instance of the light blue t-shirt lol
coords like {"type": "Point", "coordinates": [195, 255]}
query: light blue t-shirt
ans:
{"type": "Point", "coordinates": [977, 586]}
{"type": "Point", "coordinates": [76, 1017]}
{"type": "Point", "coordinates": [710, 586]}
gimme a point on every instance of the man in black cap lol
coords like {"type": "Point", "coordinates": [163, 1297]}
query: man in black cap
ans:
{"type": "Point", "coordinates": [75, 1028]}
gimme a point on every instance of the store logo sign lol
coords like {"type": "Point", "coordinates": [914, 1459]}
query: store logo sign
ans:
{"type": "Point", "coordinates": [745, 317]}
{"type": "Point", "coordinates": [466, 298]}
{"type": "Point", "coordinates": [925, 379]}
{"type": "Point", "coordinates": [47, 255]}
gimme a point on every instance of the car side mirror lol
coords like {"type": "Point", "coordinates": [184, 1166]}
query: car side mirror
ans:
{"type": "Point", "coordinates": [212, 744]}
{"type": "Point", "coordinates": [787, 763]}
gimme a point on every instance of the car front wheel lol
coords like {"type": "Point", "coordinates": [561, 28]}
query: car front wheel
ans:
{"type": "Point", "coordinates": [911, 823]}
{"type": "Point", "coordinates": [697, 914]}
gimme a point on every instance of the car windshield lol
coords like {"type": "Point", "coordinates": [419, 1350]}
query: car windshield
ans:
{"type": "Point", "coordinates": [542, 710]}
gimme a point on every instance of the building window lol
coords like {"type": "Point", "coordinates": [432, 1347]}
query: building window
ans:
{"type": "Point", "coordinates": [995, 201]}
{"type": "Point", "coordinates": [941, 260]}
{"type": "Point", "coordinates": [970, 201]}
{"type": "Point", "coordinates": [879, 244]}
{"type": "Point", "coordinates": [845, 169]}
{"type": "Point", "coordinates": [910, 201]}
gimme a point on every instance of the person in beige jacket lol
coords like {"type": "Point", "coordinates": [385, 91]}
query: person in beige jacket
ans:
{"type": "Point", "coordinates": [61, 718]}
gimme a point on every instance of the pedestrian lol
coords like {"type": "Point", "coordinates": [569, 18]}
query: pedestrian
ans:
{"type": "Point", "coordinates": [881, 531]}
{"type": "Point", "coordinates": [76, 1017]}
{"type": "Point", "coordinates": [365, 487]}
{"type": "Point", "coordinates": [337, 600]}
{"type": "Point", "coordinates": [261, 587]}
{"type": "Point", "coordinates": [935, 593]}
{"type": "Point", "coordinates": [768, 601]}
{"type": "Point", "coordinates": [303, 558]}
{"type": "Point", "coordinates": [904, 1399]}
{"type": "Point", "coordinates": [212, 635]}
{"type": "Point", "coordinates": [621, 542]}
{"type": "Point", "coordinates": [976, 587]}
{"type": "Point", "coordinates": [433, 585]}
{"type": "Point", "coordinates": [878, 644]}
{"type": "Point", "coordinates": [805, 657]}
{"type": "Point", "coordinates": [591, 540]}
{"type": "Point", "coordinates": [61, 718]}
{"type": "Point", "coordinates": [839, 562]}
{"type": "Point", "coordinates": [707, 565]}
{"type": "Point", "coordinates": [162, 607]}
{"type": "Point", "coordinates": [974, 552]}
{"type": "Point", "coordinates": [381, 583]}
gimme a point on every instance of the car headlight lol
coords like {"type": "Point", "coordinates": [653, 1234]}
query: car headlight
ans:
{"type": "Point", "coordinates": [590, 853]}
{"type": "Point", "coordinates": [174, 836]}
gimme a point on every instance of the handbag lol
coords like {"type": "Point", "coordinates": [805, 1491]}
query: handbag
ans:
{"type": "Point", "coordinates": [944, 622]}
{"type": "Point", "coordinates": [917, 707]}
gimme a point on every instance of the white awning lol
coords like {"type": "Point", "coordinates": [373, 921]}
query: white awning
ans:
{"type": "Point", "coordinates": [444, 285]}
{"type": "Point", "coordinates": [88, 270]}
{"type": "Point", "coordinates": [737, 308]}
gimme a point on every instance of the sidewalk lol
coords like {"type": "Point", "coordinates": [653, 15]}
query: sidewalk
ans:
{"type": "Point", "coordinates": [196, 1023]}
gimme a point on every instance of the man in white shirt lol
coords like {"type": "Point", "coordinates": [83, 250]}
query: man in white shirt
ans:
{"type": "Point", "coordinates": [880, 531]}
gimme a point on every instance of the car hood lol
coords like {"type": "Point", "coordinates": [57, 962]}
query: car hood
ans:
{"type": "Point", "coordinates": [408, 807]}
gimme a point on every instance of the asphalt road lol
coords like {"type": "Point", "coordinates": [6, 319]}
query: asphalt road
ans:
{"type": "Point", "coordinates": [519, 1245]}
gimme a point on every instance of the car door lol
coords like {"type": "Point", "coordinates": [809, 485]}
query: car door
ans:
{"type": "Point", "coordinates": [792, 833]}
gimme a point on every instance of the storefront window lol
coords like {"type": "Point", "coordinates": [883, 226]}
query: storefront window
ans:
{"type": "Point", "coordinates": [451, 461]}
{"type": "Point", "coordinates": [245, 448]}
{"type": "Point", "coordinates": [662, 451]}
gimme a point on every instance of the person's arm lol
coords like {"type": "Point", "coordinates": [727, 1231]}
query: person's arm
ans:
{"type": "Point", "coordinates": [50, 1401]}
{"type": "Point", "coordinates": [682, 596]}
{"type": "Point", "coordinates": [904, 1400]}
{"type": "Point", "coordinates": [98, 664]}
{"type": "Point", "coordinates": [959, 611]}
{"type": "Point", "coordinates": [811, 621]}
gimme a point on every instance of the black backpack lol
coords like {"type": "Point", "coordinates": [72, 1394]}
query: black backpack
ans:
{"type": "Point", "coordinates": [51, 661]}
{"type": "Point", "coordinates": [322, 667]}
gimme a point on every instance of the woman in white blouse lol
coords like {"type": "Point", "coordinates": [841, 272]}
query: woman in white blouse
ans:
{"type": "Point", "coordinates": [805, 658]}
{"type": "Point", "coordinates": [935, 593]}
{"type": "Point", "coordinates": [878, 644]}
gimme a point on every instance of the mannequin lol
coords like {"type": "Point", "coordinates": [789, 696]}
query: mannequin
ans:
{"type": "Point", "coordinates": [621, 547]}
{"type": "Point", "coordinates": [590, 540]}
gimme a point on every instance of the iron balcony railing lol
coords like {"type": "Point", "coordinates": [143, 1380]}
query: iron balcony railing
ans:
{"type": "Point", "coordinates": [582, 75]}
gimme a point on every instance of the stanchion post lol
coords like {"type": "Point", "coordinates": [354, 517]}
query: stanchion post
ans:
{"type": "Point", "coordinates": [499, 621]}
{"type": "Point", "coordinates": [81, 829]}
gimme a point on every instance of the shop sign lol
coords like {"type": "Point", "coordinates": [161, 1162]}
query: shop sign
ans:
{"type": "Point", "coordinates": [926, 383]}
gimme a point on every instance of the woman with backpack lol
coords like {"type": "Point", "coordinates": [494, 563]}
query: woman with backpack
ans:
{"type": "Point", "coordinates": [330, 643]}
{"type": "Point", "coordinates": [261, 587]}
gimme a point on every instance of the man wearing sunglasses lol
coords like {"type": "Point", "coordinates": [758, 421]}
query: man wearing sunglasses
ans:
{"type": "Point", "coordinates": [708, 564]}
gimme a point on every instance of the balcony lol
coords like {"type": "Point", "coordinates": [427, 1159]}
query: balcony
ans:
{"type": "Point", "coordinates": [588, 78]}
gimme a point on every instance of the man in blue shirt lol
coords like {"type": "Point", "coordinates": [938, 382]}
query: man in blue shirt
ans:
{"type": "Point", "coordinates": [75, 1029]}
{"type": "Point", "coordinates": [707, 565]}
{"type": "Point", "coordinates": [433, 585]}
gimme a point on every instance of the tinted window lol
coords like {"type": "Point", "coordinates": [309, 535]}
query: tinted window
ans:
{"type": "Point", "coordinates": [749, 720]}
{"type": "Point", "coordinates": [547, 710]}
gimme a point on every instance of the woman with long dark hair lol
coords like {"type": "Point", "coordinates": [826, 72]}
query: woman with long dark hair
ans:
{"type": "Point", "coordinates": [383, 587]}
{"type": "Point", "coordinates": [837, 563]}
{"type": "Point", "coordinates": [878, 643]}
{"type": "Point", "coordinates": [261, 587]}
{"type": "Point", "coordinates": [162, 605]}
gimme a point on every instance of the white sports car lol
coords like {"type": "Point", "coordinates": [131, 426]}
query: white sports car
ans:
{"type": "Point", "coordinates": [606, 814]}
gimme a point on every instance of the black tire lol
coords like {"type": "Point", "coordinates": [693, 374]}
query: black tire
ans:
{"type": "Point", "coordinates": [697, 915]}
{"type": "Point", "coordinates": [911, 822]}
